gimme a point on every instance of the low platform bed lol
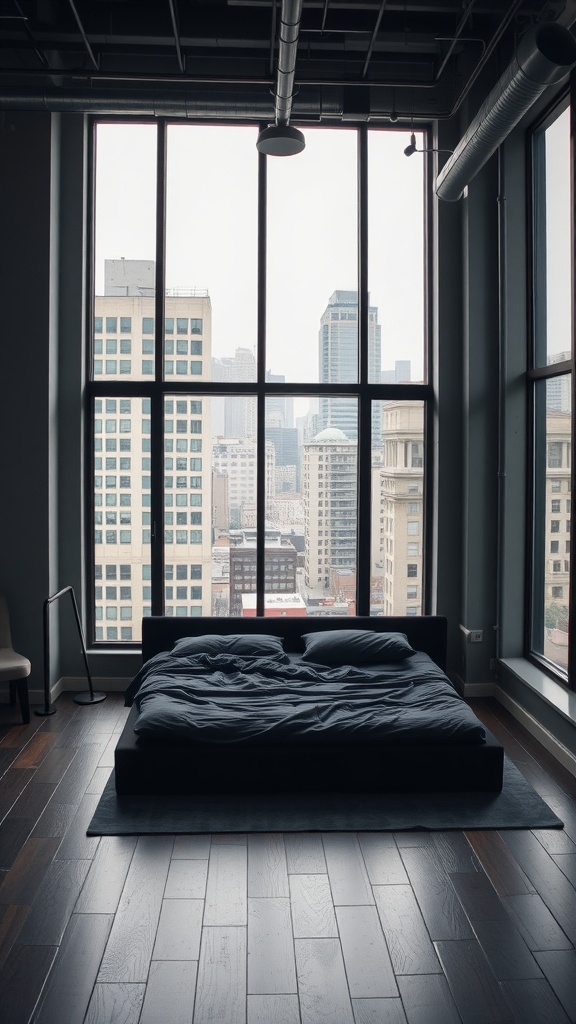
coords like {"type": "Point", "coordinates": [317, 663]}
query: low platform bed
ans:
{"type": "Point", "coordinates": [221, 706]}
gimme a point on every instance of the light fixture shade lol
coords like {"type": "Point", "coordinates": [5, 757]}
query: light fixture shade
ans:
{"type": "Point", "coordinates": [280, 140]}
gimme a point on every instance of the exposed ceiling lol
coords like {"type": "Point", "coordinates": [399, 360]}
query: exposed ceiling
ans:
{"type": "Point", "coordinates": [356, 59]}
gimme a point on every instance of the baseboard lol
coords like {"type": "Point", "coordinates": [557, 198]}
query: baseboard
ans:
{"type": "Point", "coordinates": [78, 684]}
{"type": "Point", "coordinates": [551, 744]}
{"type": "Point", "coordinates": [470, 690]}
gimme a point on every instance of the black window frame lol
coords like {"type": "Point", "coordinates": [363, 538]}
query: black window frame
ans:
{"type": "Point", "coordinates": [155, 388]}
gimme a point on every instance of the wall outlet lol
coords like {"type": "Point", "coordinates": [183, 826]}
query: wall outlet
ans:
{"type": "Point", "coordinates": [475, 636]}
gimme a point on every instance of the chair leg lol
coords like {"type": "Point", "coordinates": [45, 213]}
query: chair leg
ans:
{"type": "Point", "coordinates": [23, 699]}
{"type": "Point", "coordinates": [12, 693]}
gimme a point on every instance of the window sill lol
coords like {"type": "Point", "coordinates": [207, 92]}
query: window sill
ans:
{"type": "Point", "coordinates": [558, 697]}
{"type": "Point", "coordinates": [542, 705]}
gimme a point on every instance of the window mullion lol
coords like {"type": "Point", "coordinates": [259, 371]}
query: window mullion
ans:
{"type": "Point", "coordinates": [157, 398]}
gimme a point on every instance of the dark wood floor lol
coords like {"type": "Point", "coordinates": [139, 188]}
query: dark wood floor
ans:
{"type": "Point", "coordinates": [339, 928]}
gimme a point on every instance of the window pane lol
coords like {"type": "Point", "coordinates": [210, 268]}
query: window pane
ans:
{"type": "Point", "coordinates": [396, 256]}
{"type": "Point", "coordinates": [552, 475]}
{"type": "Point", "coordinates": [552, 246]}
{"type": "Point", "coordinates": [125, 223]}
{"type": "Point", "coordinates": [311, 251]}
{"type": "Point", "coordinates": [397, 508]}
{"type": "Point", "coordinates": [211, 236]}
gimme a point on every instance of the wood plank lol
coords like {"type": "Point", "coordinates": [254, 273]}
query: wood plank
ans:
{"type": "Point", "coordinates": [30, 803]}
{"type": "Point", "coordinates": [21, 981]}
{"type": "Point", "coordinates": [129, 949]}
{"type": "Point", "coordinates": [346, 870]}
{"type": "Point", "coordinates": [54, 765]}
{"type": "Point", "coordinates": [170, 992]}
{"type": "Point", "coordinates": [35, 750]}
{"type": "Point", "coordinates": [271, 966]}
{"type": "Point", "coordinates": [322, 984]}
{"type": "Point", "coordinates": [267, 871]}
{"type": "Point", "coordinates": [427, 999]}
{"type": "Point", "coordinates": [536, 924]}
{"type": "Point", "coordinates": [559, 967]}
{"type": "Point", "coordinates": [11, 920]}
{"type": "Point", "coordinates": [71, 980]}
{"type": "Point", "coordinates": [221, 985]}
{"type": "Point", "coordinates": [474, 988]}
{"type": "Point", "coordinates": [567, 864]}
{"type": "Point", "coordinates": [179, 929]}
{"type": "Point", "coordinates": [455, 852]}
{"type": "Point", "coordinates": [226, 889]}
{"type": "Point", "coordinates": [273, 1009]}
{"type": "Point", "coordinates": [499, 864]}
{"type": "Point", "coordinates": [555, 840]}
{"type": "Point", "coordinates": [534, 1002]}
{"type": "Point", "coordinates": [55, 820]}
{"type": "Point", "coordinates": [115, 1004]}
{"type": "Point", "coordinates": [78, 774]}
{"type": "Point", "coordinates": [186, 880]}
{"type": "Point", "coordinates": [191, 848]}
{"type": "Point", "coordinates": [382, 859]}
{"type": "Point", "coordinates": [478, 897]}
{"type": "Point", "coordinates": [552, 885]}
{"type": "Point", "coordinates": [103, 886]}
{"type": "Point", "coordinates": [13, 834]}
{"type": "Point", "coordinates": [76, 845]}
{"type": "Point", "coordinates": [53, 904]}
{"type": "Point", "coordinates": [378, 1011]}
{"type": "Point", "coordinates": [304, 853]}
{"type": "Point", "coordinates": [505, 950]}
{"type": "Point", "coordinates": [98, 781]}
{"type": "Point", "coordinates": [366, 958]}
{"type": "Point", "coordinates": [407, 938]}
{"type": "Point", "coordinates": [25, 876]}
{"type": "Point", "coordinates": [438, 902]}
{"type": "Point", "coordinates": [312, 908]}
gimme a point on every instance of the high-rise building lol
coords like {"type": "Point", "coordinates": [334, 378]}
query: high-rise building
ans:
{"type": "Point", "coordinates": [401, 374]}
{"type": "Point", "coordinates": [237, 458]}
{"type": "Point", "coordinates": [124, 347]}
{"type": "Point", "coordinates": [330, 489]}
{"type": "Point", "coordinates": [338, 360]}
{"type": "Point", "coordinates": [558, 389]}
{"type": "Point", "coordinates": [397, 511]}
{"type": "Point", "coordinates": [235, 415]}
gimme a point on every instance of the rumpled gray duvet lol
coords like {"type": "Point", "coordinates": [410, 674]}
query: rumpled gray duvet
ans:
{"type": "Point", "coordinates": [226, 699]}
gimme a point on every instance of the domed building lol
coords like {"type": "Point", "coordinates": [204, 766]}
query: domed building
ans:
{"type": "Point", "coordinates": [330, 507]}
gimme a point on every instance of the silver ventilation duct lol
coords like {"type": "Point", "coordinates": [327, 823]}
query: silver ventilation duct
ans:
{"type": "Point", "coordinates": [545, 55]}
{"type": "Point", "coordinates": [281, 139]}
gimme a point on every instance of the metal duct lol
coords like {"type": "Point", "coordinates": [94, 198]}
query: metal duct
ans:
{"type": "Point", "coordinates": [287, 48]}
{"type": "Point", "coordinates": [192, 101]}
{"type": "Point", "coordinates": [545, 55]}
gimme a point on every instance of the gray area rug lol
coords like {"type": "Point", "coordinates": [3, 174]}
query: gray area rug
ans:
{"type": "Point", "coordinates": [517, 806]}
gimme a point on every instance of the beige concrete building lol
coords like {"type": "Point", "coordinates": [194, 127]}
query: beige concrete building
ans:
{"type": "Point", "coordinates": [397, 511]}
{"type": "Point", "coordinates": [330, 503]}
{"type": "Point", "coordinates": [557, 537]}
{"type": "Point", "coordinates": [124, 350]}
{"type": "Point", "coordinates": [235, 457]}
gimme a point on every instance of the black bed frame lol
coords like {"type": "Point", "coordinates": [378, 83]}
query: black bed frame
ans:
{"type": "Point", "coordinates": [146, 767]}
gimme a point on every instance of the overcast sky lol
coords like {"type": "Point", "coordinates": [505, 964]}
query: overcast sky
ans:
{"type": "Point", "coordinates": [312, 245]}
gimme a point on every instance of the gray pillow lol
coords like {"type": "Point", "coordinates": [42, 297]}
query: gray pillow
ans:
{"type": "Point", "coordinates": [355, 647]}
{"type": "Point", "coordinates": [251, 645]}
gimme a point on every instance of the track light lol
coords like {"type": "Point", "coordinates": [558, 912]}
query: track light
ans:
{"type": "Point", "coordinates": [412, 147]}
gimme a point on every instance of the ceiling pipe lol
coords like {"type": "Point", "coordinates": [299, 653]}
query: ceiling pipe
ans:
{"type": "Point", "coordinates": [545, 55]}
{"type": "Point", "coordinates": [280, 139]}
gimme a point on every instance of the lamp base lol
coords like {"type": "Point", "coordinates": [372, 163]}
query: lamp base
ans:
{"type": "Point", "coordinates": [85, 698]}
{"type": "Point", "coordinates": [44, 712]}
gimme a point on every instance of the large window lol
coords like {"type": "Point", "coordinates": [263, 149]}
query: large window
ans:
{"type": "Point", "coordinates": [258, 390]}
{"type": "Point", "coordinates": [551, 393]}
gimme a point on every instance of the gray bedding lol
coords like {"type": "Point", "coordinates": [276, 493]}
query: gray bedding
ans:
{"type": "Point", "coordinates": [227, 699]}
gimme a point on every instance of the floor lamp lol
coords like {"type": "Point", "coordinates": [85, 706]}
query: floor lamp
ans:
{"type": "Point", "coordinates": [80, 698]}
